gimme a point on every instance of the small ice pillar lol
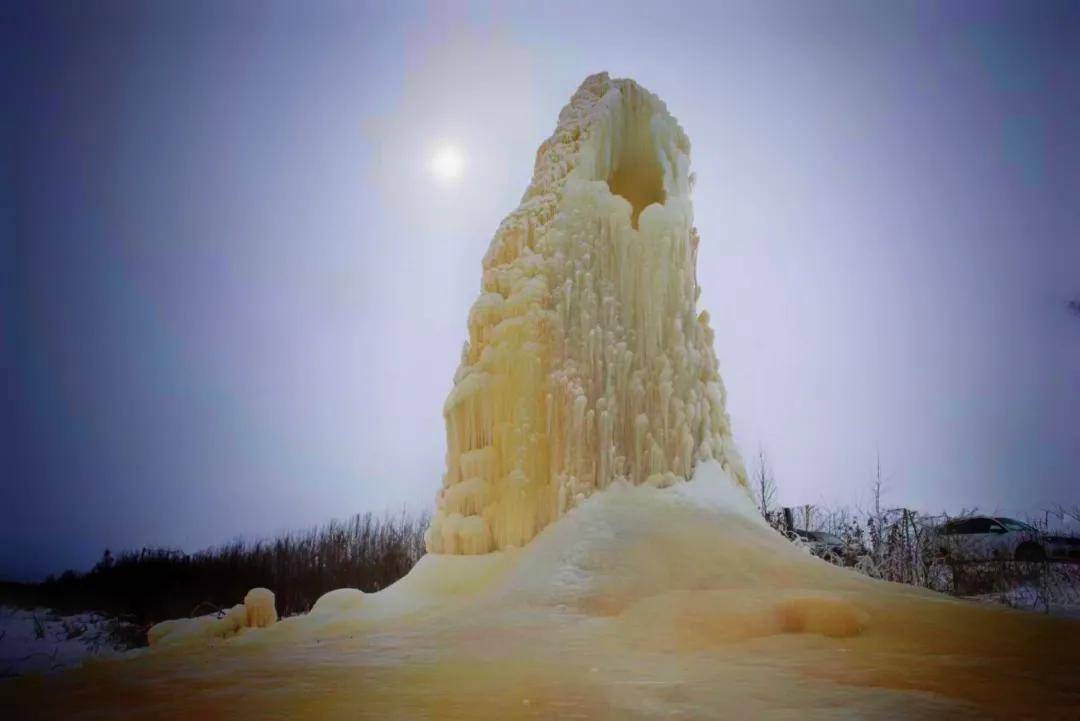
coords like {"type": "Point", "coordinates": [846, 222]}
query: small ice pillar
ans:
{"type": "Point", "coordinates": [587, 361]}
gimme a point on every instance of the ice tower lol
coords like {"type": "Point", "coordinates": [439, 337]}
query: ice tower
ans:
{"type": "Point", "coordinates": [587, 362]}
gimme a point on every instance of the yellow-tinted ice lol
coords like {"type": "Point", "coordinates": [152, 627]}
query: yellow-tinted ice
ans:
{"type": "Point", "coordinates": [640, 603]}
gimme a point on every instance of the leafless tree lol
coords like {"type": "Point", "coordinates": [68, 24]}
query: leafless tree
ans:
{"type": "Point", "coordinates": [1073, 513]}
{"type": "Point", "coordinates": [832, 520]}
{"type": "Point", "coordinates": [764, 485]}
{"type": "Point", "coordinates": [877, 515]}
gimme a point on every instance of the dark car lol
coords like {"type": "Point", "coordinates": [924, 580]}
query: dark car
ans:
{"type": "Point", "coordinates": [822, 544]}
{"type": "Point", "coordinates": [1062, 548]}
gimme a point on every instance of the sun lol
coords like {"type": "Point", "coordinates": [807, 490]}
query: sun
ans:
{"type": "Point", "coordinates": [447, 163]}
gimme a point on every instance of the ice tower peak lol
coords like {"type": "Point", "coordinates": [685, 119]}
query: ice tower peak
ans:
{"type": "Point", "coordinates": [587, 362]}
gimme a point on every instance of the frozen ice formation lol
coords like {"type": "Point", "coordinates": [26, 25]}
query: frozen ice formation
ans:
{"type": "Point", "coordinates": [257, 611]}
{"type": "Point", "coordinates": [588, 369]}
{"type": "Point", "coordinates": [587, 362]}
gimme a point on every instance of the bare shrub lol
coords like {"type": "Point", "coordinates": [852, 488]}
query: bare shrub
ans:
{"type": "Point", "coordinates": [140, 588]}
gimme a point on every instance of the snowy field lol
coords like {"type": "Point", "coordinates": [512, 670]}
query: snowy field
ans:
{"type": "Point", "coordinates": [1033, 600]}
{"type": "Point", "coordinates": [39, 641]}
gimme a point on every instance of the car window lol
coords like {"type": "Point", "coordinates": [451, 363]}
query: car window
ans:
{"type": "Point", "coordinates": [982, 525]}
{"type": "Point", "coordinates": [964, 525]}
{"type": "Point", "coordinates": [1014, 525]}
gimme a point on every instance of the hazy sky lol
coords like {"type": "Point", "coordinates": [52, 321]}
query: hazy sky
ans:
{"type": "Point", "coordinates": [234, 296]}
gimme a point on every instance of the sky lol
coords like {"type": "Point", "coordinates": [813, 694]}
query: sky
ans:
{"type": "Point", "coordinates": [234, 293]}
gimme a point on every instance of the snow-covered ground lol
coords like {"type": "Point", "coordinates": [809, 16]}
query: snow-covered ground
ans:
{"type": "Point", "coordinates": [39, 641]}
{"type": "Point", "coordinates": [1029, 598]}
{"type": "Point", "coordinates": [640, 603]}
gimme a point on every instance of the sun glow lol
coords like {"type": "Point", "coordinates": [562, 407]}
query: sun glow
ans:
{"type": "Point", "coordinates": [447, 163]}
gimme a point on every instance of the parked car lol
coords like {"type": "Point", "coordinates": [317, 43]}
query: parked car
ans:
{"type": "Point", "coordinates": [1062, 548]}
{"type": "Point", "coordinates": [981, 538]}
{"type": "Point", "coordinates": [823, 545]}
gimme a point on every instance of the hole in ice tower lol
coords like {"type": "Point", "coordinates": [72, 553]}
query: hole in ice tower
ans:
{"type": "Point", "coordinates": [637, 174]}
{"type": "Point", "coordinates": [640, 181]}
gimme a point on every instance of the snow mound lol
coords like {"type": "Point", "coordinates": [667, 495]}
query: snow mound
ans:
{"type": "Point", "coordinates": [343, 600]}
{"type": "Point", "coordinates": [202, 628]}
{"type": "Point", "coordinates": [257, 611]}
